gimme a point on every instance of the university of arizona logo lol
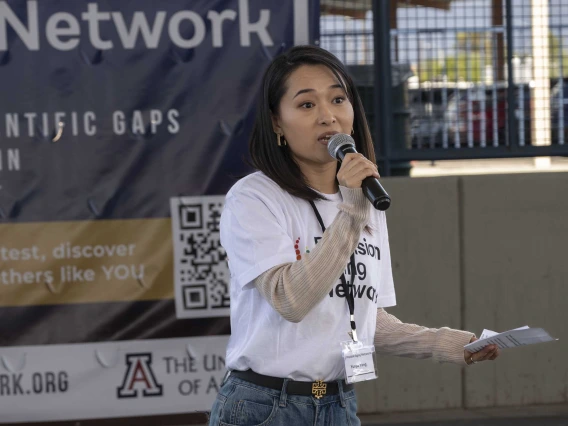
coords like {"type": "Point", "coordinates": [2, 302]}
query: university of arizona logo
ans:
{"type": "Point", "coordinates": [139, 377]}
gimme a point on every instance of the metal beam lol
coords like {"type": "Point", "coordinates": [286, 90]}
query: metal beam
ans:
{"type": "Point", "coordinates": [383, 85]}
{"type": "Point", "coordinates": [358, 8]}
{"type": "Point", "coordinates": [478, 153]}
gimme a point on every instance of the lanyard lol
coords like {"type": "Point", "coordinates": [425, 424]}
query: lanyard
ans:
{"type": "Point", "coordinates": [348, 295]}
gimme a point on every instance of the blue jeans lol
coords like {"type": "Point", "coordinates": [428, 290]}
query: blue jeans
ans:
{"type": "Point", "coordinates": [240, 403]}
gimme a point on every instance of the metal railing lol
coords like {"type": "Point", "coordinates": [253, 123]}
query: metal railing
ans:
{"type": "Point", "coordinates": [457, 79]}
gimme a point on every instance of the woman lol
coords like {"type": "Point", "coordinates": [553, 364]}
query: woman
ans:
{"type": "Point", "coordinates": [302, 241]}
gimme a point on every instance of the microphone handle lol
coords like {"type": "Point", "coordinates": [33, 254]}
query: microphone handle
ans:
{"type": "Point", "coordinates": [372, 188]}
{"type": "Point", "coordinates": [375, 193]}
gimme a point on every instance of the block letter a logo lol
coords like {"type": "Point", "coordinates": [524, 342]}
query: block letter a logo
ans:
{"type": "Point", "coordinates": [139, 376]}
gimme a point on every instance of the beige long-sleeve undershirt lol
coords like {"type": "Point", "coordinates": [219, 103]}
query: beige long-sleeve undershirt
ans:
{"type": "Point", "coordinates": [293, 289]}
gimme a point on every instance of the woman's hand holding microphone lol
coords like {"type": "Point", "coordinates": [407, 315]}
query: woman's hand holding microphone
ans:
{"type": "Point", "coordinates": [354, 168]}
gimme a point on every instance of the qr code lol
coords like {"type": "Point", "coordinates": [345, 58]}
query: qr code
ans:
{"type": "Point", "coordinates": [201, 272]}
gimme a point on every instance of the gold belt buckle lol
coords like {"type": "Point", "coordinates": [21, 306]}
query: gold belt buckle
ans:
{"type": "Point", "coordinates": [319, 388]}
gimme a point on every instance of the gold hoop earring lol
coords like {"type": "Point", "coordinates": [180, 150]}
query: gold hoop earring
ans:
{"type": "Point", "coordinates": [280, 139]}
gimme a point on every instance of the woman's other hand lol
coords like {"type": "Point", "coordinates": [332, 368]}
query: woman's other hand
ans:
{"type": "Point", "coordinates": [488, 353]}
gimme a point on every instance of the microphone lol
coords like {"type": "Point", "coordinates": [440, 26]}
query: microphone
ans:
{"type": "Point", "coordinates": [341, 144]}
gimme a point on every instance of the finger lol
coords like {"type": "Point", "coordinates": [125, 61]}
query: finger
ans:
{"type": "Point", "coordinates": [355, 177]}
{"type": "Point", "coordinates": [349, 158]}
{"type": "Point", "coordinates": [488, 351]}
{"type": "Point", "coordinates": [353, 182]}
{"type": "Point", "coordinates": [495, 354]}
{"type": "Point", "coordinates": [352, 161]}
{"type": "Point", "coordinates": [356, 165]}
{"type": "Point", "coordinates": [377, 174]}
{"type": "Point", "coordinates": [483, 354]}
{"type": "Point", "coordinates": [491, 355]}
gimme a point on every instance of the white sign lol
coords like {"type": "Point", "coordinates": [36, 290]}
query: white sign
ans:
{"type": "Point", "coordinates": [110, 379]}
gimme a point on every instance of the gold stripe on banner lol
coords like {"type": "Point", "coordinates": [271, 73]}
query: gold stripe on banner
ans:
{"type": "Point", "coordinates": [85, 261]}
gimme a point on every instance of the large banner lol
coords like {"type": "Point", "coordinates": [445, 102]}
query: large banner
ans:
{"type": "Point", "coordinates": [122, 124]}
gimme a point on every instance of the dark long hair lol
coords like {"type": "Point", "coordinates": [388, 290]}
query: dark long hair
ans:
{"type": "Point", "coordinates": [276, 161]}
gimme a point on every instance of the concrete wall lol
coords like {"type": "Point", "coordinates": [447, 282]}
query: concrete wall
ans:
{"type": "Point", "coordinates": [478, 252]}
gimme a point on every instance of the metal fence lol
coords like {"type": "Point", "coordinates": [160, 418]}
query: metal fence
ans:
{"type": "Point", "coordinates": [457, 78]}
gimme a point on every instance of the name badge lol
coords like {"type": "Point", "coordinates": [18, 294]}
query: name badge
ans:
{"type": "Point", "coordinates": [360, 361]}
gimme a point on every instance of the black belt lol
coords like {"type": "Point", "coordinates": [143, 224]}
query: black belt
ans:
{"type": "Point", "coordinates": [316, 389]}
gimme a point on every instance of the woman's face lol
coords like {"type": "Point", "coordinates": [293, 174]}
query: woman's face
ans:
{"type": "Point", "coordinates": [313, 108]}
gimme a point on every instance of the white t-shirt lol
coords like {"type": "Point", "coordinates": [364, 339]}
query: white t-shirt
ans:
{"type": "Point", "coordinates": [261, 226]}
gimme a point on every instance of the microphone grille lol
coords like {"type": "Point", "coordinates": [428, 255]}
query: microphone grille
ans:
{"type": "Point", "coordinates": [338, 140]}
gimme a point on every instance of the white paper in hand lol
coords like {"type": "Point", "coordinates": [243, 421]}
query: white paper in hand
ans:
{"type": "Point", "coordinates": [510, 339]}
{"type": "Point", "coordinates": [490, 333]}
